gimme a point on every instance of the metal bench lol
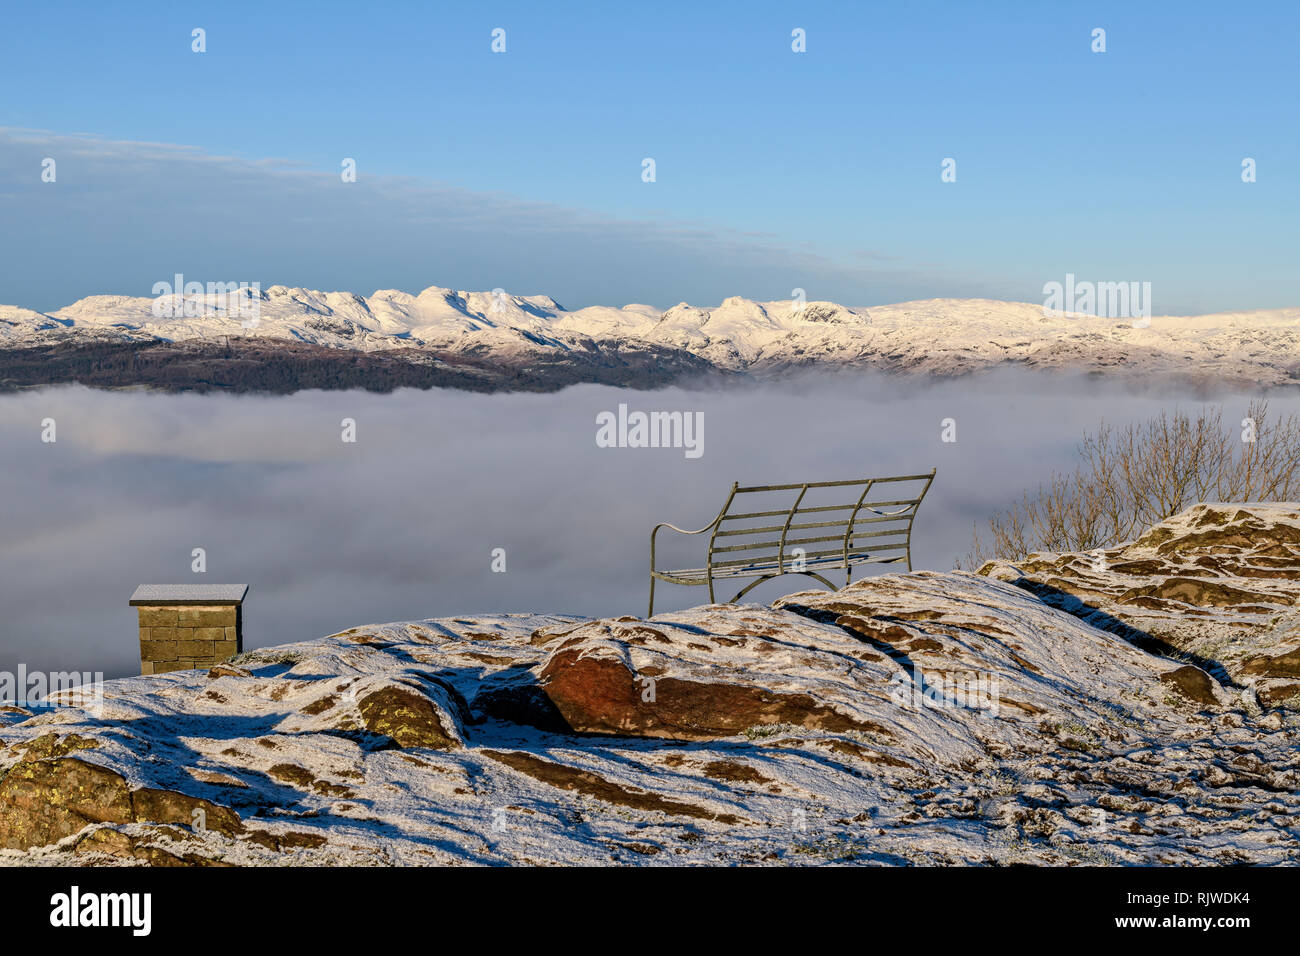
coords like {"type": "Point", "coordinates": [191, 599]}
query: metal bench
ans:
{"type": "Point", "coordinates": [762, 541]}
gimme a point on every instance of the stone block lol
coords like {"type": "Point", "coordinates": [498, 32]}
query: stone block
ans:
{"type": "Point", "coordinates": [208, 616]}
{"type": "Point", "coordinates": [158, 616]}
{"type": "Point", "coordinates": [193, 649]}
{"type": "Point", "coordinates": [158, 651]}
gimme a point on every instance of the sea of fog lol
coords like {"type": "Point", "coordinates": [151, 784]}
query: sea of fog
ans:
{"type": "Point", "coordinates": [402, 523]}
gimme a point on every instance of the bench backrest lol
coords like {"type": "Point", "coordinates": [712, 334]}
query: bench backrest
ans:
{"type": "Point", "coordinates": [845, 522]}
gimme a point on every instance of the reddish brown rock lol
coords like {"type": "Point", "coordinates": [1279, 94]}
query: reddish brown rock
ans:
{"type": "Point", "coordinates": [599, 695]}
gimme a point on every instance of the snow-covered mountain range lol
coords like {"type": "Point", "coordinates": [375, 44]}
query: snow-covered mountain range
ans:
{"type": "Point", "coordinates": [939, 337]}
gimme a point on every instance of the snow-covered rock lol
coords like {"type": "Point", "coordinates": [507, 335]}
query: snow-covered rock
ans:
{"type": "Point", "coordinates": [1219, 584]}
{"type": "Point", "coordinates": [1041, 712]}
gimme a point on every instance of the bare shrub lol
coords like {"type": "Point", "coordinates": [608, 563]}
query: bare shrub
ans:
{"type": "Point", "coordinates": [1132, 477]}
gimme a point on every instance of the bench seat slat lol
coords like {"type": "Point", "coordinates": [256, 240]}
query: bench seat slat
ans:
{"type": "Point", "coordinates": [805, 525]}
{"type": "Point", "coordinates": [865, 506]}
{"type": "Point", "coordinates": [759, 569]}
{"type": "Point", "coordinates": [786, 511]}
{"type": "Point", "coordinates": [836, 553]}
{"type": "Point", "coordinates": [781, 527]}
{"type": "Point", "coordinates": [796, 542]}
{"type": "Point", "coordinates": [773, 545]}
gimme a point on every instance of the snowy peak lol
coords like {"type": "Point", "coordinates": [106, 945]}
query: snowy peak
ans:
{"type": "Point", "coordinates": [937, 337]}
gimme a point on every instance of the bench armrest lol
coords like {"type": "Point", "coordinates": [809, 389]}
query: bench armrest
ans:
{"type": "Point", "coordinates": [665, 524]}
{"type": "Point", "coordinates": [654, 531]}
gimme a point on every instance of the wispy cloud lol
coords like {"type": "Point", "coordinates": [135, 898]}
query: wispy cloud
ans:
{"type": "Point", "coordinates": [123, 214]}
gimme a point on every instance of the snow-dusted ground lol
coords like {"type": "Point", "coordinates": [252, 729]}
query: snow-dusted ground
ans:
{"type": "Point", "coordinates": [933, 337]}
{"type": "Point", "coordinates": [915, 718]}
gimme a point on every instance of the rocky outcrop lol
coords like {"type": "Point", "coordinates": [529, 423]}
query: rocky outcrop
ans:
{"type": "Point", "coordinates": [1216, 587]}
{"type": "Point", "coordinates": [681, 682]}
{"type": "Point", "coordinates": [1131, 706]}
{"type": "Point", "coordinates": [45, 799]}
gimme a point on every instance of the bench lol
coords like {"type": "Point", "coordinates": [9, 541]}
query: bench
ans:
{"type": "Point", "coordinates": [755, 535]}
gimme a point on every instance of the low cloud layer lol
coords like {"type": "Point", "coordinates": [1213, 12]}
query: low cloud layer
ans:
{"type": "Point", "coordinates": [401, 525]}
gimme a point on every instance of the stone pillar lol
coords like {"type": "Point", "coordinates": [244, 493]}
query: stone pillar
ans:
{"type": "Point", "coordinates": [188, 625]}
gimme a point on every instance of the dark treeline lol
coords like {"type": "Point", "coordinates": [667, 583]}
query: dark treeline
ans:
{"type": "Point", "coordinates": [282, 367]}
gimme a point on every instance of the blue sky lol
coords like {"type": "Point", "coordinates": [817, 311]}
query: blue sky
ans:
{"type": "Point", "coordinates": [522, 170]}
